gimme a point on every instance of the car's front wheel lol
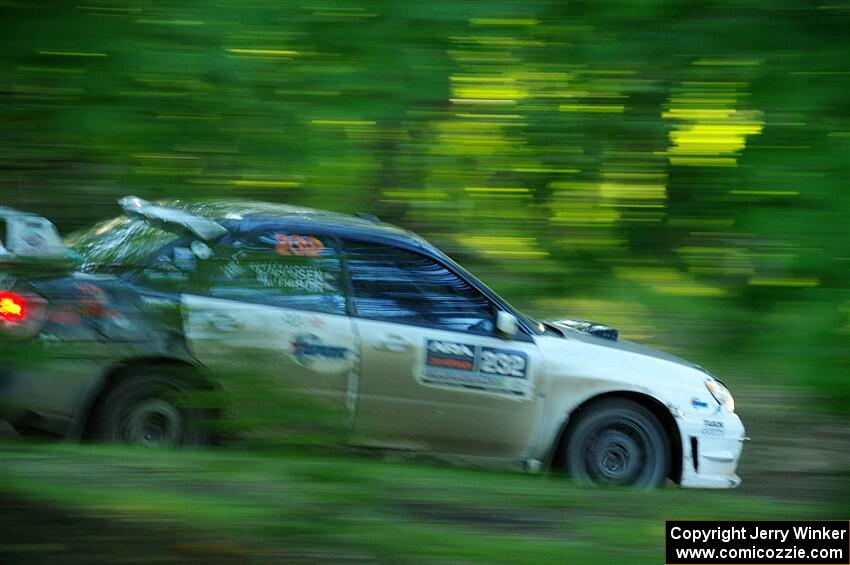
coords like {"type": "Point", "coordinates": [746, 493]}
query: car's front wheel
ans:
{"type": "Point", "coordinates": [151, 408]}
{"type": "Point", "coordinates": [617, 442]}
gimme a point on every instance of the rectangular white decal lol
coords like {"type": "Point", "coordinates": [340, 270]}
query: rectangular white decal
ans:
{"type": "Point", "coordinates": [474, 366]}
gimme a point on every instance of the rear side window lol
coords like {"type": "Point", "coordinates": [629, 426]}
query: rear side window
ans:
{"type": "Point", "coordinates": [407, 288]}
{"type": "Point", "coordinates": [290, 270]}
{"type": "Point", "coordinates": [119, 242]}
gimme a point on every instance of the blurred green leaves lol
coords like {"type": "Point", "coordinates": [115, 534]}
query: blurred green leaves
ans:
{"type": "Point", "coordinates": [689, 158]}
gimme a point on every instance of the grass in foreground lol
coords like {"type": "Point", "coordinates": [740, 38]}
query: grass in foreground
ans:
{"type": "Point", "coordinates": [331, 508]}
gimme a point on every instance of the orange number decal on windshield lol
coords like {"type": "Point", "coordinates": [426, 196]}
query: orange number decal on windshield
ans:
{"type": "Point", "coordinates": [298, 245]}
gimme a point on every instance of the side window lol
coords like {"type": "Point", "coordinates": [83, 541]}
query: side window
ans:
{"type": "Point", "coordinates": [399, 286]}
{"type": "Point", "coordinates": [276, 268]}
{"type": "Point", "coordinates": [167, 269]}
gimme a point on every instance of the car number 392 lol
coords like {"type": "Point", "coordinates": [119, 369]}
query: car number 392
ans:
{"type": "Point", "coordinates": [508, 364]}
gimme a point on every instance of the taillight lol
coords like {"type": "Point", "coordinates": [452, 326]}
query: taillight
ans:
{"type": "Point", "coordinates": [22, 314]}
{"type": "Point", "coordinates": [13, 307]}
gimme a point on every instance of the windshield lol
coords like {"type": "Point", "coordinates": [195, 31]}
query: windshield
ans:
{"type": "Point", "coordinates": [119, 241]}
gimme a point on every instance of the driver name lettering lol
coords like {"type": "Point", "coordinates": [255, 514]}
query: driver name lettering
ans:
{"type": "Point", "coordinates": [293, 277]}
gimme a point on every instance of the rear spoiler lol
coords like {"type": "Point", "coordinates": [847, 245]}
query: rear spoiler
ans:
{"type": "Point", "coordinates": [171, 219]}
{"type": "Point", "coordinates": [29, 239]}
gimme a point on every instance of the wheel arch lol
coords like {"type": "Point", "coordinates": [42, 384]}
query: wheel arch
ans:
{"type": "Point", "coordinates": [658, 409]}
{"type": "Point", "coordinates": [116, 373]}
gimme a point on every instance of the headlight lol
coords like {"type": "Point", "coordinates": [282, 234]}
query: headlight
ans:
{"type": "Point", "coordinates": [721, 394]}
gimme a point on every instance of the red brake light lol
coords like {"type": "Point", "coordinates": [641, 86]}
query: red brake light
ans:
{"type": "Point", "coordinates": [22, 315]}
{"type": "Point", "coordinates": [12, 306]}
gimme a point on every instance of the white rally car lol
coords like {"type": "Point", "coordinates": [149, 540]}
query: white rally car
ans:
{"type": "Point", "coordinates": [365, 318]}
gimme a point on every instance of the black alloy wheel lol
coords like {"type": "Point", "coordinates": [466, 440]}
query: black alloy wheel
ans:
{"type": "Point", "coordinates": [618, 442]}
{"type": "Point", "coordinates": [149, 408]}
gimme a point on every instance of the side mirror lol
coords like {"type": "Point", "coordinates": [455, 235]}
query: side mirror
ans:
{"type": "Point", "coordinates": [506, 324]}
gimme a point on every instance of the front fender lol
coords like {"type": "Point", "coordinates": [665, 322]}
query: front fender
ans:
{"type": "Point", "coordinates": [561, 401]}
{"type": "Point", "coordinates": [579, 370]}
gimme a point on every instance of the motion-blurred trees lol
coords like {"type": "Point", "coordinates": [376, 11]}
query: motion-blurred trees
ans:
{"type": "Point", "coordinates": [662, 164]}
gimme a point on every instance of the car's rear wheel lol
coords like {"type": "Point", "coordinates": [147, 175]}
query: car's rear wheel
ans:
{"type": "Point", "coordinates": [617, 442]}
{"type": "Point", "coordinates": [151, 409]}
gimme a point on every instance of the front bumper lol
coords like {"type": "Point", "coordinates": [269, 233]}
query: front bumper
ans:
{"type": "Point", "coordinates": [711, 448]}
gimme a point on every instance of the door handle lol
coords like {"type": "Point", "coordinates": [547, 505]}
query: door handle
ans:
{"type": "Point", "coordinates": [223, 322]}
{"type": "Point", "coordinates": [394, 343]}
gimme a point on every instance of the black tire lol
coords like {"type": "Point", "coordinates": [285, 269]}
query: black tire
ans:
{"type": "Point", "coordinates": [617, 442]}
{"type": "Point", "coordinates": [149, 407]}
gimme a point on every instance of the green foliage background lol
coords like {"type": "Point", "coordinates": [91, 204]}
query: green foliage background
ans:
{"type": "Point", "coordinates": [678, 169]}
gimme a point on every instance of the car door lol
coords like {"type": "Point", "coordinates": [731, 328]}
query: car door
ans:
{"type": "Point", "coordinates": [268, 311]}
{"type": "Point", "coordinates": [434, 376]}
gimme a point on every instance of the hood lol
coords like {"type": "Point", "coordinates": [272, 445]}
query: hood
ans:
{"type": "Point", "coordinates": [586, 327]}
{"type": "Point", "coordinates": [599, 334]}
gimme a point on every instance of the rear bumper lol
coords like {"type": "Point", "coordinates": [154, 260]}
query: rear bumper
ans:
{"type": "Point", "coordinates": [48, 394]}
{"type": "Point", "coordinates": [711, 449]}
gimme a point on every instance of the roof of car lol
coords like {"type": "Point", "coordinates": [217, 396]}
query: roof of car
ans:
{"type": "Point", "coordinates": [241, 216]}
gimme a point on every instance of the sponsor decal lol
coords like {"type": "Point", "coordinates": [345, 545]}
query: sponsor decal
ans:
{"type": "Point", "coordinates": [306, 246]}
{"type": "Point", "coordinates": [713, 428]}
{"type": "Point", "coordinates": [474, 366]}
{"type": "Point", "coordinates": [698, 403]}
{"type": "Point", "coordinates": [452, 355]}
{"type": "Point", "coordinates": [308, 350]}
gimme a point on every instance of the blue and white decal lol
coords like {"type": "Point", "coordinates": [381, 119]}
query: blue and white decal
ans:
{"type": "Point", "coordinates": [309, 350]}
